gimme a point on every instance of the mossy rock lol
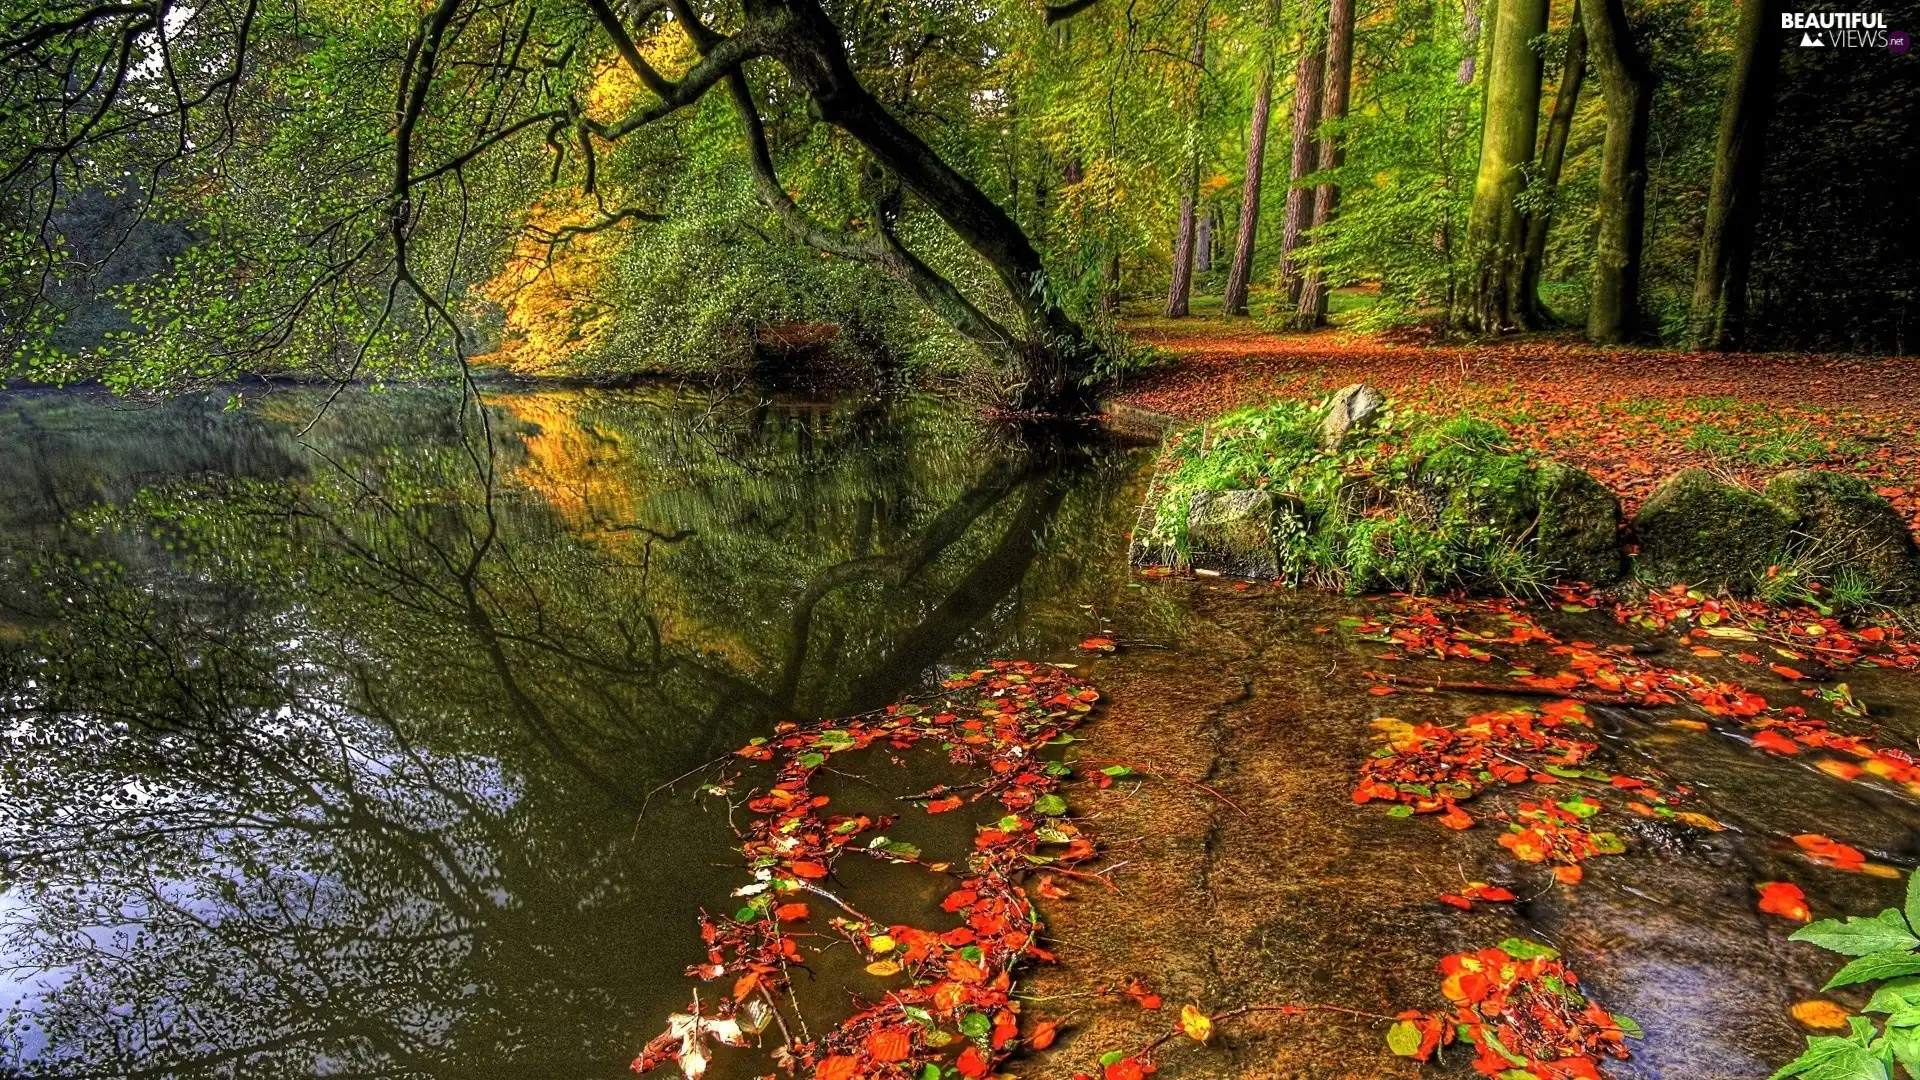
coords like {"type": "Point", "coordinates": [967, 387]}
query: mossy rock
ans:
{"type": "Point", "coordinates": [1840, 525]}
{"type": "Point", "coordinates": [1234, 532]}
{"type": "Point", "coordinates": [1702, 531]}
{"type": "Point", "coordinates": [1577, 532]}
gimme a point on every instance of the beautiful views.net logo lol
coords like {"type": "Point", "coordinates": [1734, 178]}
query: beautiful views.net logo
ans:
{"type": "Point", "coordinates": [1838, 29]}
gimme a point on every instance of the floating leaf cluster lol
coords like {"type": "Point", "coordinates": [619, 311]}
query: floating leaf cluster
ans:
{"type": "Point", "coordinates": [948, 1008]}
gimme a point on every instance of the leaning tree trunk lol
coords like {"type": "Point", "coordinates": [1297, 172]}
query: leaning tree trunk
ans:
{"type": "Point", "coordinates": [1181, 289]}
{"type": "Point", "coordinates": [1496, 236]}
{"type": "Point", "coordinates": [1052, 350]}
{"type": "Point", "coordinates": [1241, 272]}
{"type": "Point", "coordinates": [1565, 102]}
{"type": "Point", "coordinates": [1718, 318]}
{"type": "Point", "coordinates": [1300, 197]}
{"type": "Point", "coordinates": [1313, 291]}
{"type": "Point", "coordinates": [1613, 314]}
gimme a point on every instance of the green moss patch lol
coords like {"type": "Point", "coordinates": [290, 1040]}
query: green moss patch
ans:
{"type": "Point", "coordinates": [1414, 501]}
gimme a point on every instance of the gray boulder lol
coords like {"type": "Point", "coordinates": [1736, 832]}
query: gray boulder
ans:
{"type": "Point", "coordinates": [1701, 531]}
{"type": "Point", "coordinates": [1234, 532]}
{"type": "Point", "coordinates": [1577, 532]}
{"type": "Point", "coordinates": [1351, 409]}
{"type": "Point", "coordinates": [1840, 523]}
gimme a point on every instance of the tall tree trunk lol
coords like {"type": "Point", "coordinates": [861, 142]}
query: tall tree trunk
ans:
{"type": "Point", "coordinates": [1718, 318]}
{"type": "Point", "coordinates": [1565, 102]}
{"type": "Point", "coordinates": [1306, 116]}
{"type": "Point", "coordinates": [1182, 286]}
{"type": "Point", "coordinates": [1203, 243]}
{"type": "Point", "coordinates": [1181, 289]}
{"type": "Point", "coordinates": [1241, 272]}
{"type": "Point", "coordinates": [1313, 292]}
{"type": "Point", "coordinates": [1496, 237]}
{"type": "Point", "coordinates": [1613, 315]}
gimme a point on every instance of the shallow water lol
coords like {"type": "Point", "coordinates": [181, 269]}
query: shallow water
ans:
{"type": "Point", "coordinates": [370, 752]}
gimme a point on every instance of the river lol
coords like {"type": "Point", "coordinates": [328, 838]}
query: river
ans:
{"type": "Point", "coordinates": [366, 738]}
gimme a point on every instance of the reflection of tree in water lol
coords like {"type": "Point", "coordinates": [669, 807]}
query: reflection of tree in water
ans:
{"type": "Point", "coordinates": [340, 775]}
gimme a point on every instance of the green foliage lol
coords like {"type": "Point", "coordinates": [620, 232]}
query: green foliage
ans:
{"type": "Point", "coordinates": [1885, 947]}
{"type": "Point", "coordinates": [1419, 502]}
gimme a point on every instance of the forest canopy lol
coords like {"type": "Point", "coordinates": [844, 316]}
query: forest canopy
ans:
{"type": "Point", "coordinates": [385, 188]}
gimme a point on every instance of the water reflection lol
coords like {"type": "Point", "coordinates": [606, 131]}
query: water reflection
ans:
{"type": "Point", "coordinates": [329, 758]}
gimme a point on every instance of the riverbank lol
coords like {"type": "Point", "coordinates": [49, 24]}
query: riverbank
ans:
{"type": "Point", "coordinates": [1632, 417]}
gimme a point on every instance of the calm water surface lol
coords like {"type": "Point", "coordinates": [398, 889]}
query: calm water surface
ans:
{"type": "Point", "coordinates": [343, 754]}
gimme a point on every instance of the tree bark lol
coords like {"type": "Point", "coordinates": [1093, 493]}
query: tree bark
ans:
{"type": "Point", "coordinates": [1565, 102]}
{"type": "Point", "coordinates": [1718, 318]}
{"type": "Point", "coordinates": [1203, 243]}
{"type": "Point", "coordinates": [1241, 272]}
{"type": "Point", "coordinates": [1183, 237]}
{"type": "Point", "coordinates": [1613, 314]}
{"type": "Point", "coordinates": [1496, 237]}
{"type": "Point", "coordinates": [1313, 292]}
{"type": "Point", "coordinates": [1180, 291]}
{"type": "Point", "coordinates": [1306, 116]}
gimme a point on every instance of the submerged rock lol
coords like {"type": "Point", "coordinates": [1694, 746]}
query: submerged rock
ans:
{"type": "Point", "coordinates": [1840, 524]}
{"type": "Point", "coordinates": [1702, 531]}
{"type": "Point", "coordinates": [1577, 533]}
{"type": "Point", "coordinates": [1234, 532]}
{"type": "Point", "coordinates": [1351, 408]}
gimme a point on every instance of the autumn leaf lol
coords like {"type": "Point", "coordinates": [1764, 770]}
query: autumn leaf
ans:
{"type": "Point", "coordinates": [970, 1063]}
{"type": "Point", "coordinates": [941, 806]}
{"type": "Point", "coordinates": [1785, 899]}
{"type": "Point", "coordinates": [1097, 644]}
{"type": "Point", "coordinates": [889, 1045]}
{"type": "Point", "coordinates": [1824, 1015]}
{"type": "Point", "coordinates": [808, 869]}
{"type": "Point", "coordinates": [1197, 1025]}
{"type": "Point", "coordinates": [1042, 1035]}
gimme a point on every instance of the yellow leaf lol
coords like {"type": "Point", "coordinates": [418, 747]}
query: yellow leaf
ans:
{"type": "Point", "coordinates": [883, 968]}
{"type": "Point", "coordinates": [1700, 821]}
{"type": "Point", "coordinates": [1196, 1024]}
{"type": "Point", "coordinates": [1825, 1015]}
{"type": "Point", "coordinates": [880, 943]}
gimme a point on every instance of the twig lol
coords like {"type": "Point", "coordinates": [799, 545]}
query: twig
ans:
{"type": "Point", "coordinates": [1152, 770]}
{"type": "Point", "coordinates": [1516, 689]}
{"type": "Point", "coordinates": [690, 772]}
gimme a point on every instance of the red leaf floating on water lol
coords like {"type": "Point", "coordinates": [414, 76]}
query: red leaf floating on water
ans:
{"type": "Point", "coordinates": [1776, 742]}
{"type": "Point", "coordinates": [808, 869]}
{"type": "Point", "coordinates": [1785, 899]}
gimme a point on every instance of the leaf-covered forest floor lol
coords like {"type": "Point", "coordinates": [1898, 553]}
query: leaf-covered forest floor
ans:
{"type": "Point", "coordinates": [1631, 416]}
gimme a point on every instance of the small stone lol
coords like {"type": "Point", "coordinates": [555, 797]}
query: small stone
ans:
{"type": "Point", "coordinates": [1698, 530]}
{"type": "Point", "coordinates": [1840, 523]}
{"type": "Point", "coordinates": [1577, 534]}
{"type": "Point", "coordinates": [1233, 532]}
{"type": "Point", "coordinates": [1351, 409]}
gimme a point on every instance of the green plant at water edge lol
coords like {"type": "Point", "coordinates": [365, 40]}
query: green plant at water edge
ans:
{"type": "Point", "coordinates": [1419, 502]}
{"type": "Point", "coordinates": [1884, 947]}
